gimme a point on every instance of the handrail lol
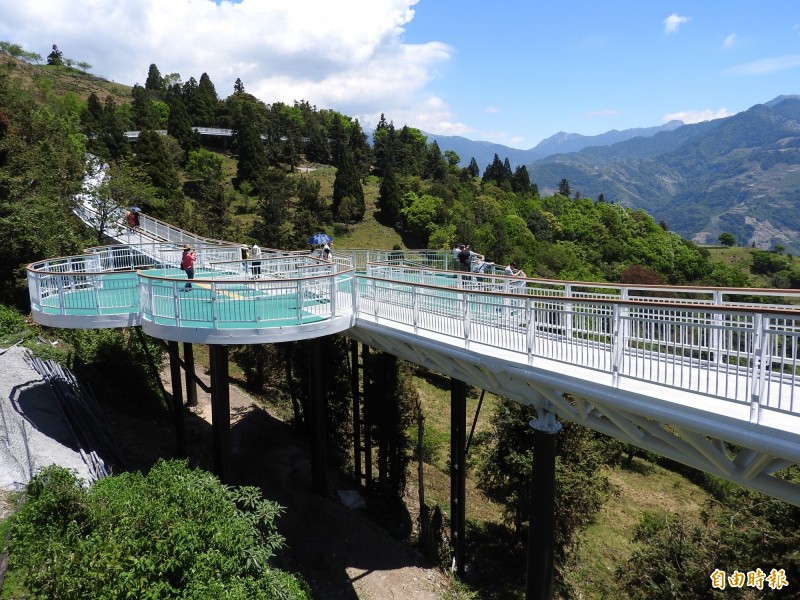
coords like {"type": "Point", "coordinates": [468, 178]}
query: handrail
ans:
{"type": "Point", "coordinates": [582, 289]}
{"type": "Point", "coordinates": [700, 348]}
{"type": "Point", "coordinates": [236, 303]}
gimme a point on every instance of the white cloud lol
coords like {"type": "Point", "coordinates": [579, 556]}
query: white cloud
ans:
{"type": "Point", "coordinates": [431, 115]}
{"type": "Point", "coordinates": [672, 22]}
{"type": "Point", "coordinates": [491, 110]}
{"type": "Point", "coordinates": [766, 66]}
{"type": "Point", "coordinates": [696, 116]}
{"type": "Point", "coordinates": [348, 55]}
{"type": "Point", "coordinates": [729, 41]}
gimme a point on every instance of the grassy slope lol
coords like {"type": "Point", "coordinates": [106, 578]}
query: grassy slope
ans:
{"type": "Point", "coordinates": [62, 80]}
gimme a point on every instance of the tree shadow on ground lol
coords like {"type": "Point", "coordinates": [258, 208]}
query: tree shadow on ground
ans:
{"type": "Point", "coordinates": [495, 562]}
{"type": "Point", "coordinates": [330, 545]}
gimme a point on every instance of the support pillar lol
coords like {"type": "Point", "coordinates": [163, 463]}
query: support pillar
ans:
{"type": "Point", "coordinates": [458, 472]}
{"type": "Point", "coordinates": [368, 400]}
{"type": "Point", "coordinates": [177, 399]}
{"type": "Point", "coordinates": [356, 391]}
{"type": "Point", "coordinates": [188, 366]}
{"type": "Point", "coordinates": [220, 412]}
{"type": "Point", "coordinates": [316, 403]}
{"type": "Point", "coordinates": [541, 534]}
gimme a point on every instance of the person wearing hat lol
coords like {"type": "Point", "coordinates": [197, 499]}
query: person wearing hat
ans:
{"type": "Point", "coordinates": [187, 264]}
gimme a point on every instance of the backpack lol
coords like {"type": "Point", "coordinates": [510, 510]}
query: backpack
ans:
{"type": "Point", "coordinates": [463, 256]}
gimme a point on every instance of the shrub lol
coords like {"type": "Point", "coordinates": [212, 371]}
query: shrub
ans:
{"type": "Point", "coordinates": [173, 533]}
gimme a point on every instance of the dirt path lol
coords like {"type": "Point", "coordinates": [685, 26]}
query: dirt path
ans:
{"type": "Point", "coordinates": [339, 551]}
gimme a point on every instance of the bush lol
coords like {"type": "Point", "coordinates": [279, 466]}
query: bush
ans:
{"type": "Point", "coordinates": [173, 533]}
{"type": "Point", "coordinates": [11, 321]}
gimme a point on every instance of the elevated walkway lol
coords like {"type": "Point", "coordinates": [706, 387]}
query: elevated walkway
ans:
{"type": "Point", "coordinates": [707, 377]}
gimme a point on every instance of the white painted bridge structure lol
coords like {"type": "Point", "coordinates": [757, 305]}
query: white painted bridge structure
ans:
{"type": "Point", "coordinates": [709, 377]}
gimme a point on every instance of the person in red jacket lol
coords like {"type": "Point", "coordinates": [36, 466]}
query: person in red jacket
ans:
{"type": "Point", "coordinates": [187, 264]}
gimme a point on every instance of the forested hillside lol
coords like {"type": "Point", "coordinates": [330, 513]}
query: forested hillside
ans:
{"type": "Point", "coordinates": [258, 187]}
{"type": "Point", "coordinates": [736, 175]}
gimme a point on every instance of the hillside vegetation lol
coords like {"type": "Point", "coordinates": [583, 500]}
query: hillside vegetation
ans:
{"type": "Point", "coordinates": [738, 174]}
{"type": "Point", "coordinates": [630, 524]}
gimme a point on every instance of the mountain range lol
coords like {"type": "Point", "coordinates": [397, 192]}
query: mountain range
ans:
{"type": "Point", "coordinates": [739, 174]}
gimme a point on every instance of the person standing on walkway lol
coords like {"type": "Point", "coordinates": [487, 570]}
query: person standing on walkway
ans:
{"type": "Point", "coordinates": [131, 220]}
{"type": "Point", "coordinates": [464, 258]}
{"type": "Point", "coordinates": [187, 264]}
{"type": "Point", "coordinates": [255, 253]}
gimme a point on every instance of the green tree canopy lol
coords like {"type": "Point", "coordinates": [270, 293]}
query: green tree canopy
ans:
{"type": "Point", "coordinates": [173, 533]}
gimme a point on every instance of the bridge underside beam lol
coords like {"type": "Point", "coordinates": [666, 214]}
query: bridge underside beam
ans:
{"type": "Point", "coordinates": [734, 450]}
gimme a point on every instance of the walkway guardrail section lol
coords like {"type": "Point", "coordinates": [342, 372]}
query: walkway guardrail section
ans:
{"type": "Point", "coordinates": [224, 302]}
{"type": "Point", "coordinates": [75, 283]}
{"type": "Point", "coordinates": [737, 344]}
{"type": "Point", "coordinates": [713, 346]}
{"type": "Point", "coordinates": [133, 279]}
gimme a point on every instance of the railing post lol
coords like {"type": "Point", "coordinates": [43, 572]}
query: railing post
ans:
{"type": "Point", "coordinates": [761, 364]}
{"type": "Point", "coordinates": [716, 345]}
{"type": "Point", "coordinates": [299, 303]}
{"type": "Point", "coordinates": [376, 300]}
{"type": "Point", "coordinates": [531, 326]}
{"type": "Point", "coordinates": [356, 297]}
{"type": "Point", "coordinates": [60, 288]}
{"type": "Point", "coordinates": [617, 344]}
{"type": "Point", "coordinates": [568, 311]}
{"type": "Point", "coordinates": [467, 318]}
{"type": "Point", "coordinates": [415, 308]}
{"type": "Point", "coordinates": [333, 292]}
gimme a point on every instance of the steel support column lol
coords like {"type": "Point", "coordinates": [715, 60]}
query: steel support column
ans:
{"type": "Point", "coordinates": [177, 399]}
{"type": "Point", "coordinates": [220, 412]}
{"type": "Point", "coordinates": [458, 472]}
{"type": "Point", "coordinates": [541, 533]}
{"type": "Point", "coordinates": [188, 366]}
{"type": "Point", "coordinates": [316, 418]}
{"type": "Point", "coordinates": [368, 401]}
{"type": "Point", "coordinates": [356, 391]}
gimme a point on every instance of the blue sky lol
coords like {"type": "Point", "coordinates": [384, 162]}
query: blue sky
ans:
{"type": "Point", "coordinates": [511, 72]}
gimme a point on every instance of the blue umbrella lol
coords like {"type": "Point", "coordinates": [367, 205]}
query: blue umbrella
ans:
{"type": "Point", "coordinates": [319, 238]}
{"type": "Point", "coordinates": [135, 209]}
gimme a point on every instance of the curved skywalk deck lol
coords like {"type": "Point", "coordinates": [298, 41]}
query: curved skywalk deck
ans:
{"type": "Point", "coordinates": [708, 377]}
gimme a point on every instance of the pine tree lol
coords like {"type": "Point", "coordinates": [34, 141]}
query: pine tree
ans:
{"type": "Point", "coordinates": [473, 169]}
{"type": "Point", "coordinates": [152, 157]}
{"type": "Point", "coordinates": [434, 163]}
{"type": "Point", "coordinates": [155, 83]}
{"type": "Point", "coordinates": [348, 184]}
{"type": "Point", "coordinates": [389, 199]}
{"type": "Point", "coordinates": [205, 106]}
{"type": "Point", "coordinates": [520, 180]}
{"type": "Point", "coordinates": [178, 124]}
{"type": "Point", "coordinates": [145, 115]}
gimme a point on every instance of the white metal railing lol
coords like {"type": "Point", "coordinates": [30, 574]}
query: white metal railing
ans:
{"type": "Point", "coordinates": [718, 342]}
{"type": "Point", "coordinates": [244, 303]}
{"type": "Point", "coordinates": [498, 282]}
{"type": "Point", "coordinates": [737, 353]}
{"type": "Point", "coordinates": [80, 285]}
